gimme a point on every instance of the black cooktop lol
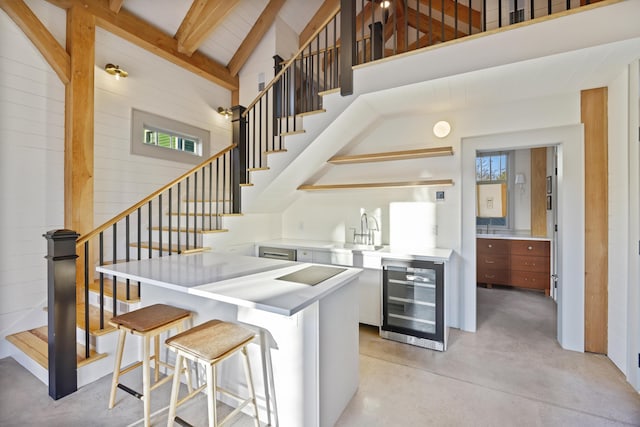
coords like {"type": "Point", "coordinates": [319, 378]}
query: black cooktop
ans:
{"type": "Point", "coordinates": [312, 275]}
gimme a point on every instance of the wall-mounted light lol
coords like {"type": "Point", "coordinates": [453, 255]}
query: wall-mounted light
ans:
{"type": "Point", "coordinates": [520, 181]}
{"type": "Point", "coordinates": [441, 129]}
{"type": "Point", "coordinates": [115, 71]}
{"type": "Point", "coordinates": [226, 112]}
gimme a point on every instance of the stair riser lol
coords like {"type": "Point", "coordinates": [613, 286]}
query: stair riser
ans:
{"type": "Point", "coordinates": [181, 221]}
{"type": "Point", "coordinates": [214, 207]}
{"type": "Point", "coordinates": [123, 306]}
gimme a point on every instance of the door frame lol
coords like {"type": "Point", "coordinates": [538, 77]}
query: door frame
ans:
{"type": "Point", "coordinates": [570, 198]}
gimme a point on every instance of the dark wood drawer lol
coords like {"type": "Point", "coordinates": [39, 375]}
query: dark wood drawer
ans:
{"type": "Point", "coordinates": [530, 263]}
{"type": "Point", "coordinates": [493, 261]}
{"type": "Point", "coordinates": [530, 247]}
{"type": "Point", "coordinates": [492, 276]}
{"type": "Point", "coordinates": [492, 246]}
{"type": "Point", "coordinates": [531, 280]}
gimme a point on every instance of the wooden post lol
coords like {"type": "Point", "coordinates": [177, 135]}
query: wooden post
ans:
{"type": "Point", "coordinates": [347, 45]}
{"type": "Point", "coordinates": [61, 295]}
{"type": "Point", "coordinates": [539, 192]}
{"type": "Point", "coordinates": [594, 117]}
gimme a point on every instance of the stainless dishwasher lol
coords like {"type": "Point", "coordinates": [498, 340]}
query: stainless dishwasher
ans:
{"type": "Point", "coordinates": [277, 253]}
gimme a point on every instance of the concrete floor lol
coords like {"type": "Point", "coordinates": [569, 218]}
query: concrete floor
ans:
{"type": "Point", "coordinates": [511, 372]}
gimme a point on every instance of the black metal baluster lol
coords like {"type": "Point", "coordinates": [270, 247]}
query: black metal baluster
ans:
{"type": "Point", "coordinates": [218, 193]}
{"type": "Point", "coordinates": [127, 241]}
{"type": "Point", "coordinates": [187, 217]}
{"type": "Point", "coordinates": [260, 119]}
{"type": "Point", "coordinates": [224, 180]}
{"type": "Point", "coordinates": [406, 25]}
{"type": "Point", "coordinates": [268, 135]}
{"type": "Point", "coordinates": [531, 6]}
{"type": "Point", "coordinates": [443, 38]}
{"type": "Point", "coordinates": [499, 13]}
{"type": "Point", "coordinates": [87, 348]}
{"type": "Point", "coordinates": [548, 7]}
{"type": "Point", "coordinates": [101, 302]}
{"type": "Point", "coordinates": [178, 216]}
{"type": "Point", "coordinates": [455, 34]}
{"type": "Point", "coordinates": [210, 193]}
{"type": "Point", "coordinates": [170, 228]}
{"type": "Point", "coordinates": [114, 279]}
{"type": "Point", "coordinates": [470, 16]}
{"type": "Point", "coordinates": [139, 242]}
{"type": "Point", "coordinates": [418, 24]}
{"type": "Point", "coordinates": [150, 220]}
{"type": "Point", "coordinates": [160, 223]}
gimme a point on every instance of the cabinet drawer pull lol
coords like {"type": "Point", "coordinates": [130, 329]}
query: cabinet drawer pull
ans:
{"type": "Point", "coordinates": [486, 261]}
{"type": "Point", "coordinates": [489, 245]}
{"type": "Point", "coordinates": [490, 276]}
{"type": "Point", "coordinates": [530, 248]}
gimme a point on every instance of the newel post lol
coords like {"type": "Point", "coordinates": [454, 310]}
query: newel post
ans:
{"type": "Point", "coordinates": [61, 293]}
{"type": "Point", "coordinates": [239, 155]}
{"type": "Point", "coordinates": [347, 45]}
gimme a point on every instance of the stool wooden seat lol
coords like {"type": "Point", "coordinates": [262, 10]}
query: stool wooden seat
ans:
{"type": "Point", "coordinates": [209, 344]}
{"type": "Point", "coordinates": [148, 322]}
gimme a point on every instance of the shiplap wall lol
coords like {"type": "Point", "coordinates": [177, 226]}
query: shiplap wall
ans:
{"type": "Point", "coordinates": [32, 141]}
{"type": "Point", "coordinates": [31, 168]}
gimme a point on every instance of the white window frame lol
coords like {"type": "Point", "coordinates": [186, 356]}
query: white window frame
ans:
{"type": "Point", "coordinates": [141, 120]}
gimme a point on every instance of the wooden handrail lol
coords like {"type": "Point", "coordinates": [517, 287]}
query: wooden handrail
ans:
{"type": "Point", "coordinates": [150, 197]}
{"type": "Point", "coordinates": [290, 61]}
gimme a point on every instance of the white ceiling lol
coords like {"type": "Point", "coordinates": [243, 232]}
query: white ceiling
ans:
{"type": "Point", "coordinates": [224, 41]}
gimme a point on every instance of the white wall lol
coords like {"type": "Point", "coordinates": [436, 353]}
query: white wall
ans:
{"type": "Point", "coordinates": [156, 86]}
{"type": "Point", "coordinates": [522, 199]}
{"type": "Point", "coordinates": [31, 169]}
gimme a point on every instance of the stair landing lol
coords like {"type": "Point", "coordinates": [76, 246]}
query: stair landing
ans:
{"type": "Point", "coordinates": [34, 343]}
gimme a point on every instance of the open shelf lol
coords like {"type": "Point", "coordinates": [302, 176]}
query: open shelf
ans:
{"type": "Point", "coordinates": [369, 185]}
{"type": "Point", "coordinates": [392, 155]}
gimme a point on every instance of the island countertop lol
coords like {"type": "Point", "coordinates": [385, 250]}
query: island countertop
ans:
{"type": "Point", "coordinates": [240, 280]}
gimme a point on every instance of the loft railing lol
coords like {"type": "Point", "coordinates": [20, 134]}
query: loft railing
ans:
{"type": "Point", "coordinates": [181, 210]}
{"type": "Point", "coordinates": [295, 90]}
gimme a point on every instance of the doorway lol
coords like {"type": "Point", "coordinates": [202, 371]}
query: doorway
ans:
{"type": "Point", "coordinates": [570, 212]}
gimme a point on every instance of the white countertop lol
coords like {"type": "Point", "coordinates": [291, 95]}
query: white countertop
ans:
{"type": "Point", "coordinates": [433, 254]}
{"type": "Point", "coordinates": [507, 235]}
{"type": "Point", "coordinates": [240, 280]}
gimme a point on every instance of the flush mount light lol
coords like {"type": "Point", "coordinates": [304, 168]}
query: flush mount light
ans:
{"type": "Point", "coordinates": [441, 129]}
{"type": "Point", "coordinates": [226, 112]}
{"type": "Point", "coordinates": [115, 71]}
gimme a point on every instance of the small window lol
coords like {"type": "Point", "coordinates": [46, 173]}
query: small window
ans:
{"type": "Point", "coordinates": [167, 139]}
{"type": "Point", "coordinates": [493, 168]}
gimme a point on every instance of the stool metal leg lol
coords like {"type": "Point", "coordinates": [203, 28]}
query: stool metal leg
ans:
{"type": "Point", "coordinates": [146, 380]}
{"type": "Point", "coordinates": [116, 369]}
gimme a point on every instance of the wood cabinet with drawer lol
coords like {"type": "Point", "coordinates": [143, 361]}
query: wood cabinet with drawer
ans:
{"type": "Point", "coordinates": [530, 264]}
{"type": "Point", "coordinates": [519, 263]}
{"type": "Point", "coordinates": [493, 261]}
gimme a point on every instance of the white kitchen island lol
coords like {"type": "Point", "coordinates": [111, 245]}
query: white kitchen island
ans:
{"type": "Point", "coordinates": [314, 327]}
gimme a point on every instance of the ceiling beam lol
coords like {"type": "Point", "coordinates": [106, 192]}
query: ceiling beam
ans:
{"type": "Point", "coordinates": [259, 29]}
{"type": "Point", "coordinates": [55, 55]}
{"type": "Point", "coordinates": [203, 17]}
{"type": "Point", "coordinates": [450, 10]}
{"type": "Point", "coordinates": [115, 5]}
{"type": "Point", "coordinates": [149, 37]}
{"type": "Point", "coordinates": [325, 11]}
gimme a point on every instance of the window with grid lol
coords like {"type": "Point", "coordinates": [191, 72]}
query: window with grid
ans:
{"type": "Point", "coordinates": [493, 168]}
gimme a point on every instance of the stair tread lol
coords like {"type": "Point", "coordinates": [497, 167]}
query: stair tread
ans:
{"type": "Point", "coordinates": [34, 343]}
{"type": "Point", "coordinates": [293, 132]}
{"type": "Point", "coordinates": [284, 150]}
{"type": "Point", "coordinates": [121, 288]}
{"type": "Point", "coordinates": [191, 230]}
{"type": "Point", "coordinates": [174, 247]}
{"type": "Point", "coordinates": [206, 214]}
{"type": "Point", "coordinates": [94, 320]}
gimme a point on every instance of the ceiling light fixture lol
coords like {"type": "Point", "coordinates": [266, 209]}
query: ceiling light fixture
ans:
{"type": "Point", "coordinates": [441, 129]}
{"type": "Point", "coordinates": [226, 112]}
{"type": "Point", "coordinates": [385, 4]}
{"type": "Point", "coordinates": [115, 71]}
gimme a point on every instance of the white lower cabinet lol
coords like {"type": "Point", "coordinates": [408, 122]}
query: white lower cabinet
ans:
{"type": "Point", "coordinates": [370, 290]}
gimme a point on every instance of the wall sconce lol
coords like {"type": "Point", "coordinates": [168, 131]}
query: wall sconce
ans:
{"type": "Point", "coordinates": [226, 112]}
{"type": "Point", "coordinates": [520, 181]}
{"type": "Point", "coordinates": [116, 71]}
{"type": "Point", "coordinates": [441, 129]}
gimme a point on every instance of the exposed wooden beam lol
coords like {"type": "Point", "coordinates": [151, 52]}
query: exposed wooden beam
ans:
{"type": "Point", "coordinates": [259, 29]}
{"type": "Point", "coordinates": [149, 37]}
{"type": "Point", "coordinates": [47, 45]}
{"type": "Point", "coordinates": [392, 155]}
{"type": "Point", "coordinates": [203, 17]}
{"type": "Point", "coordinates": [465, 13]}
{"type": "Point", "coordinates": [115, 5]}
{"type": "Point", "coordinates": [325, 11]}
{"type": "Point", "coordinates": [371, 185]}
{"type": "Point", "coordinates": [423, 23]}
{"type": "Point", "coordinates": [79, 119]}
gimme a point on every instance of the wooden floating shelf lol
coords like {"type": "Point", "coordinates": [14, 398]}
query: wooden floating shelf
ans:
{"type": "Point", "coordinates": [402, 184]}
{"type": "Point", "coordinates": [392, 155]}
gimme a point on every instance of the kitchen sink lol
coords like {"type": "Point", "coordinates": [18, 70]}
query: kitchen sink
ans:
{"type": "Point", "coordinates": [362, 247]}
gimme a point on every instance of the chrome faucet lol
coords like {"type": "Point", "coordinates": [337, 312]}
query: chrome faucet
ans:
{"type": "Point", "coordinates": [366, 235]}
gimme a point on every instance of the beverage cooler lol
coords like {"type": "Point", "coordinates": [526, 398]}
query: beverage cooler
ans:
{"type": "Point", "coordinates": [413, 303]}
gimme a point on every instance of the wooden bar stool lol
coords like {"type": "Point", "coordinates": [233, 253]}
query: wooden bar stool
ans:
{"type": "Point", "coordinates": [209, 344]}
{"type": "Point", "coordinates": [148, 322]}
